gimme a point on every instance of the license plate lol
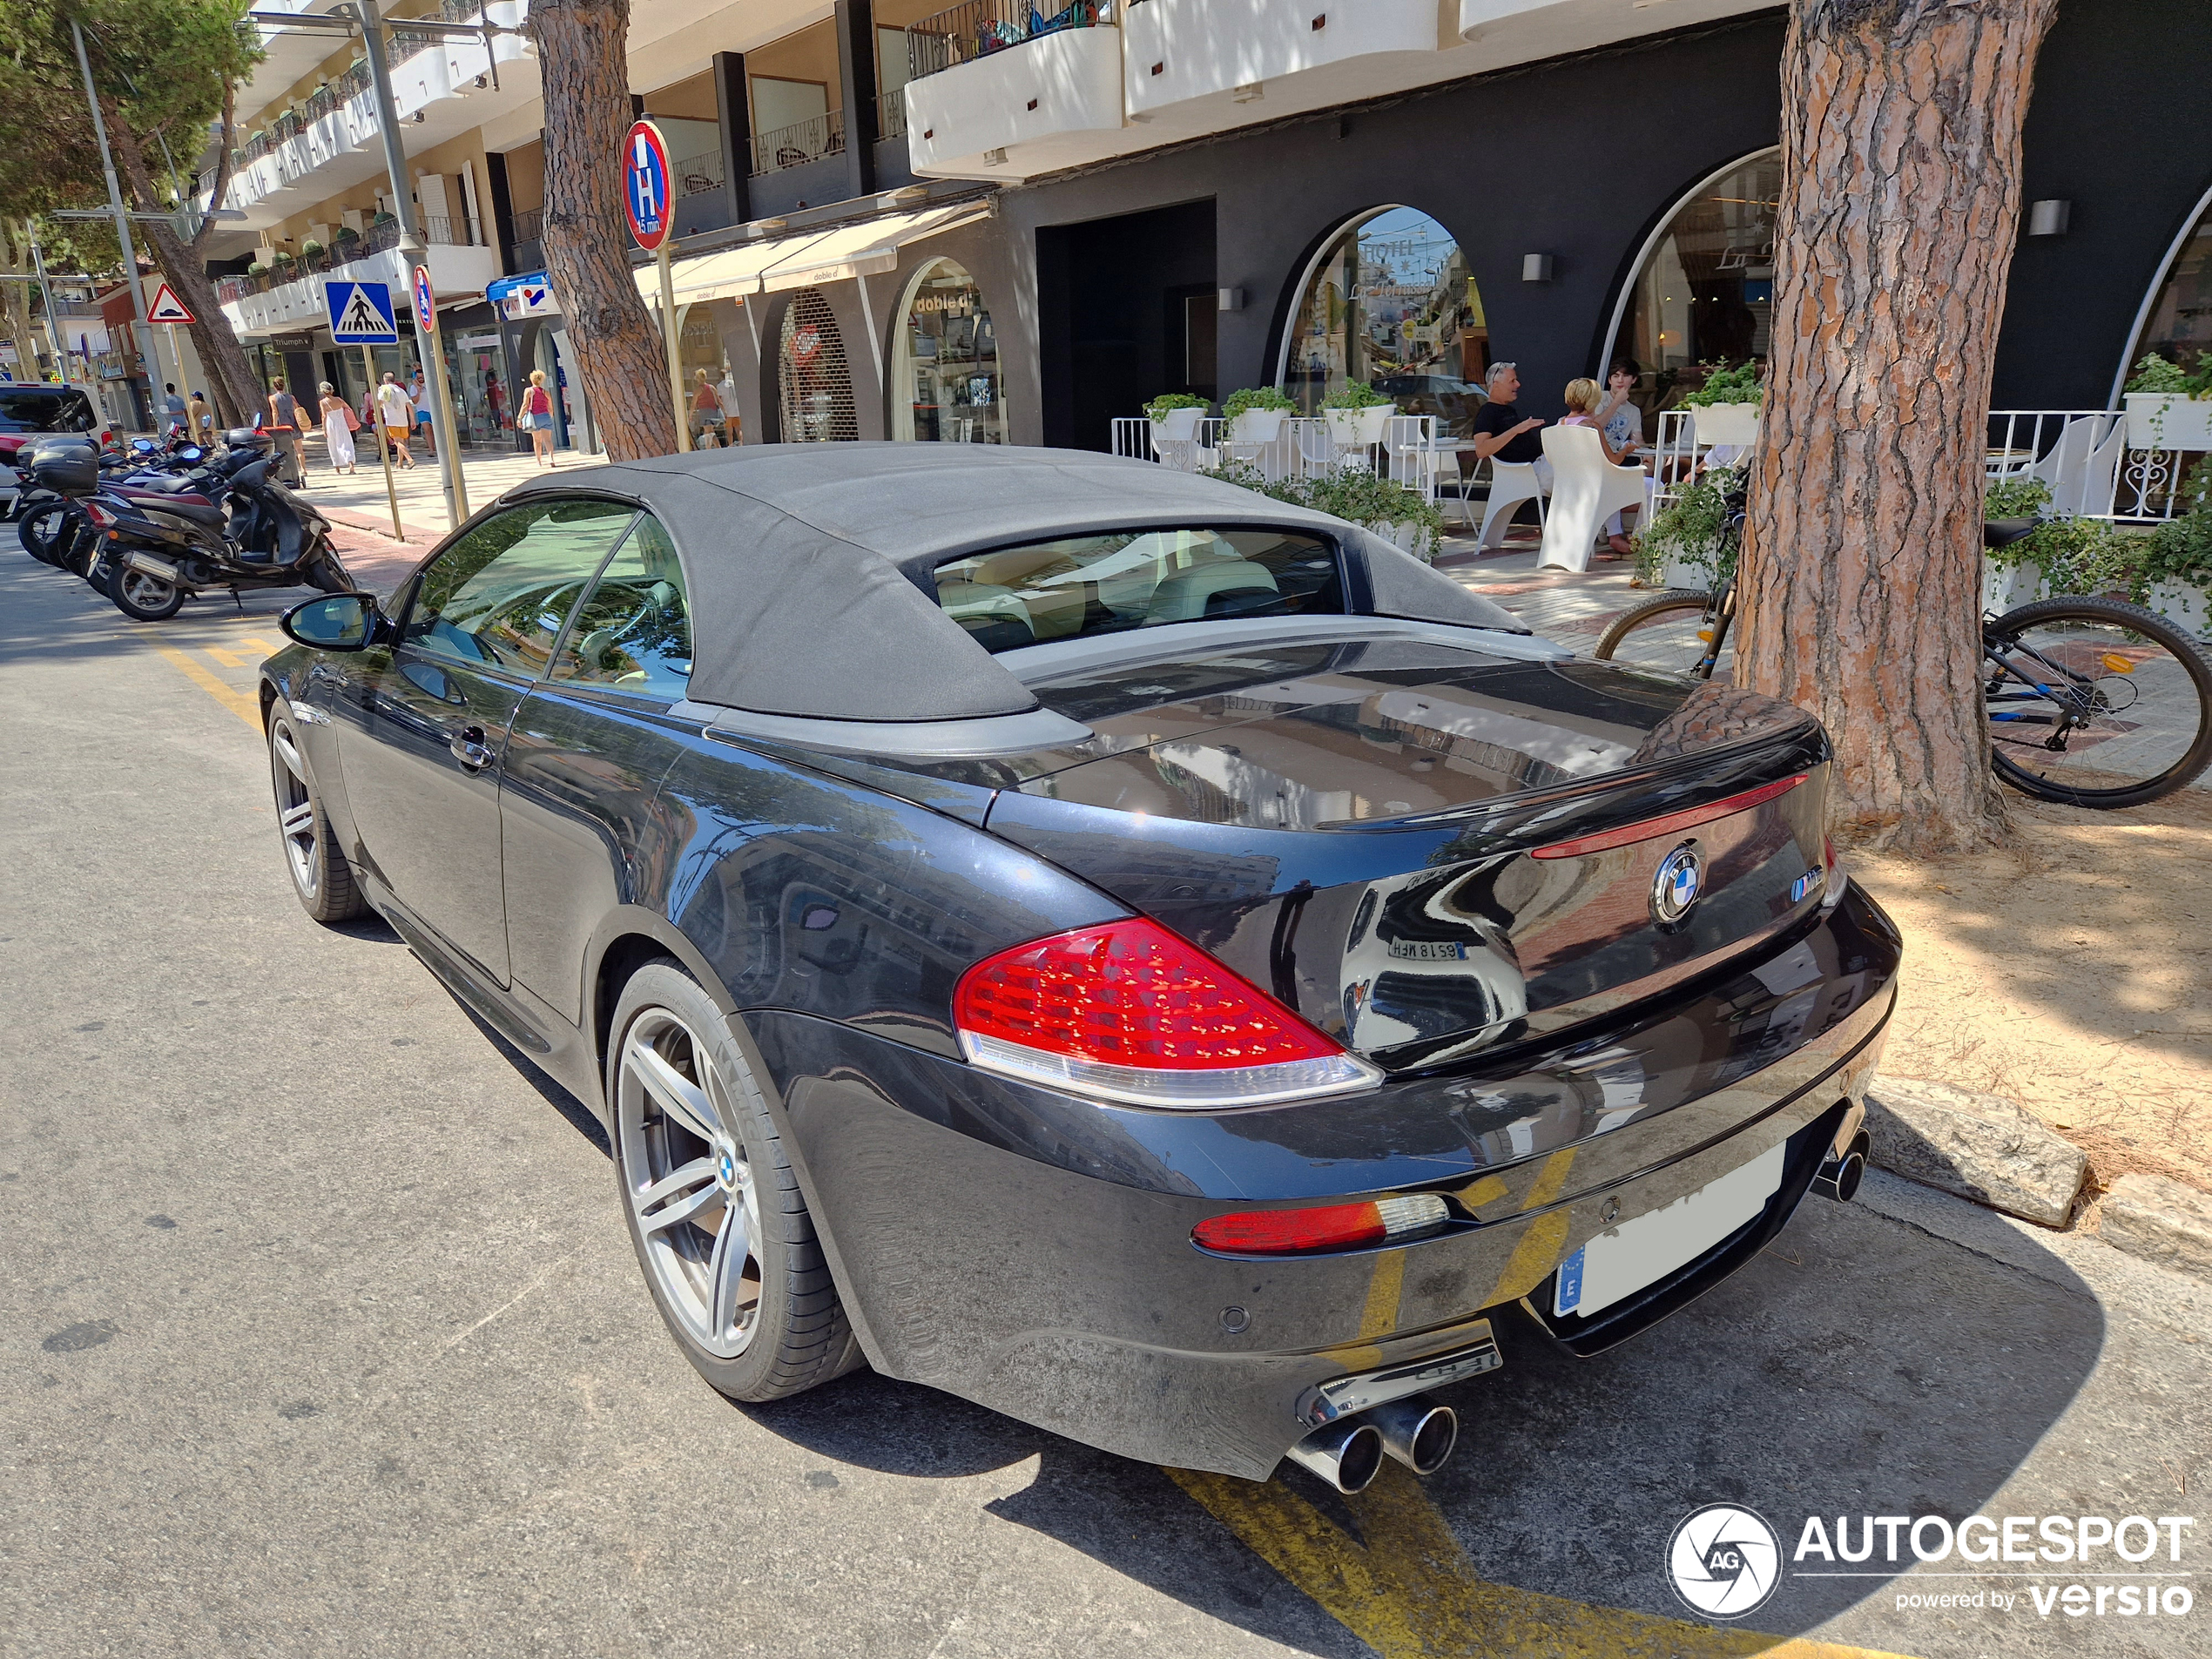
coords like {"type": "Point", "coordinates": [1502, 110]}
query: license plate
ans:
{"type": "Point", "coordinates": [1640, 1252]}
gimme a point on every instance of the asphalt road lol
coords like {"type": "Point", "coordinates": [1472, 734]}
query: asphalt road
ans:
{"type": "Point", "coordinates": [320, 1335]}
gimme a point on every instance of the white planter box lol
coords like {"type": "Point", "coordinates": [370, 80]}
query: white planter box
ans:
{"type": "Point", "coordinates": [1257, 426]}
{"type": "Point", "coordinates": [1676, 571]}
{"type": "Point", "coordinates": [2004, 587]}
{"type": "Point", "coordinates": [2161, 420]}
{"type": "Point", "coordinates": [1357, 428]}
{"type": "Point", "coordinates": [2184, 606]}
{"type": "Point", "coordinates": [1180, 427]}
{"type": "Point", "coordinates": [1736, 424]}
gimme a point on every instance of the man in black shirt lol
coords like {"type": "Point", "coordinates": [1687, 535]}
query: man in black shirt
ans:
{"type": "Point", "coordinates": [1499, 431]}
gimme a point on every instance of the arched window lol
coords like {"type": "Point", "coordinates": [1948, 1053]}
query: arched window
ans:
{"type": "Point", "coordinates": [713, 415]}
{"type": "Point", "coordinates": [1389, 301]}
{"type": "Point", "coordinates": [946, 384]}
{"type": "Point", "coordinates": [1704, 288]}
{"type": "Point", "coordinates": [2175, 322]}
{"type": "Point", "coordinates": [817, 385]}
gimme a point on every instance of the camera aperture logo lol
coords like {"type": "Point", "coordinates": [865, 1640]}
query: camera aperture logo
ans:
{"type": "Point", "coordinates": [1725, 1560]}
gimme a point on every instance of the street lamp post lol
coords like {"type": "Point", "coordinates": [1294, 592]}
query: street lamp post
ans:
{"type": "Point", "coordinates": [122, 218]}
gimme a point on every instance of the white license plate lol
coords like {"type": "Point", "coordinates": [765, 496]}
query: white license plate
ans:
{"type": "Point", "coordinates": [1640, 1252]}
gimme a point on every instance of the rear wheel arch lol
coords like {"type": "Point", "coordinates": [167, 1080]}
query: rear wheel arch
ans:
{"type": "Point", "coordinates": [626, 941]}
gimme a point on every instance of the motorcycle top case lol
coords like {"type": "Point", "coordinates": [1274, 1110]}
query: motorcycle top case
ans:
{"type": "Point", "coordinates": [72, 472]}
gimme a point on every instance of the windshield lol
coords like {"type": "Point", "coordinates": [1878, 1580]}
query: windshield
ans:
{"type": "Point", "coordinates": [56, 409]}
{"type": "Point", "coordinates": [1121, 579]}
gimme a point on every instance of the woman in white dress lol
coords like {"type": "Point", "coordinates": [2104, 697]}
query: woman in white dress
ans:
{"type": "Point", "coordinates": [337, 419]}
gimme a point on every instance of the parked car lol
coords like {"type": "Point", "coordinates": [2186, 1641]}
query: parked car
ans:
{"type": "Point", "coordinates": [1154, 961]}
{"type": "Point", "coordinates": [1452, 401]}
{"type": "Point", "coordinates": [30, 410]}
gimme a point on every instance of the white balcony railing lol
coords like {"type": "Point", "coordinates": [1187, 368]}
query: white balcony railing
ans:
{"type": "Point", "coordinates": [456, 269]}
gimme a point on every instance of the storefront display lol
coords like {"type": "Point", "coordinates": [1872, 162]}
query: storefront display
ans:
{"type": "Point", "coordinates": [1389, 301]}
{"type": "Point", "coordinates": [816, 385]}
{"type": "Point", "coordinates": [713, 415]}
{"type": "Point", "coordinates": [947, 386]}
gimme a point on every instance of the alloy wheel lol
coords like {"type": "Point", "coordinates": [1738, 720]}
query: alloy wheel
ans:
{"type": "Point", "coordinates": [689, 1183]}
{"type": "Point", "coordinates": [295, 808]}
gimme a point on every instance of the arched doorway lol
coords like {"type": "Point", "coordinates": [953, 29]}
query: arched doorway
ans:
{"type": "Point", "coordinates": [1388, 300]}
{"type": "Point", "coordinates": [815, 382]}
{"type": "Point", "coordinates": [946, 381]}
{"type": "Point", "coordinates": [2175, 321]}
{"type": "Point", "coordinates": [1703, 287]}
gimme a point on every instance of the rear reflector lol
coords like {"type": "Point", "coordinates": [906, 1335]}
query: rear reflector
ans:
{"type": "Point", "coordinates": [1337, 1226]}
{"type": "Point", "coordinates": [1672, 824]}
{"type": "Point", "coordinates": [1129, 1011]}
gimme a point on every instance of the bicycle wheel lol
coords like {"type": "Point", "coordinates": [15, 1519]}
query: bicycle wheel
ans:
{"type": "Point", "coordinates": [1665, 633]}
{"type": "Point", "coordinates": [2095, 702]}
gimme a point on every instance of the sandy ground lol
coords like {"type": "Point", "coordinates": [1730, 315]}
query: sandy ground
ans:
{"type": "Point", "coordinates": [2069, 973]}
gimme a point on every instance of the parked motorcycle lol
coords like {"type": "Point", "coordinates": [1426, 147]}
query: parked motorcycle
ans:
{"type": "Point", "coordinates": [229, 525]}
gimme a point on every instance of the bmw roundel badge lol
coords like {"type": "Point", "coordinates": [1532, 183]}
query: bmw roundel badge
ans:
{"type": "Point", "coordinates": [1674, 888]}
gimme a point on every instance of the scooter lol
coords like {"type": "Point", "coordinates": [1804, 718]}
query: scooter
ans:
{"type": "Point", "coordinates": [159, 546]}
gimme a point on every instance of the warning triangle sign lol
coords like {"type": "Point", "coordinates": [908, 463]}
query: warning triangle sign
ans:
{"type": "Point", "coordinates": [166, 308]}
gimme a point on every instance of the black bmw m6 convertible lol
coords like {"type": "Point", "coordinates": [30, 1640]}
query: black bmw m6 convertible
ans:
{"type": "Point", "coordinates": [1154, 961]}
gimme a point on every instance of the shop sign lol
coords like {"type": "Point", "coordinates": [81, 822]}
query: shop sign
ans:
{"type": "Point", "coordinates": [529, 298]}
{"type": "Point", "coordinates": [478, 342]}
{"type": "Point", "coordinates": [950, 305]}
{"type": "Point", "coordinates": [291, 342]}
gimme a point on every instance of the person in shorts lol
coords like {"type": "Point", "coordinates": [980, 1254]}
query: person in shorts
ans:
{"type": "Point", "coordinates": [395, 416]}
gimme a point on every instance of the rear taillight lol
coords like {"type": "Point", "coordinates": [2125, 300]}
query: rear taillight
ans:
{"type": "Point", "coordinates": [100, 516]}
{"type": "Point", "coordinates": [1129, 1011]}
{"type": "Point", "coordinates": [1336, 1226]}
{"type": "Point", "coordinates": [1670, 824]}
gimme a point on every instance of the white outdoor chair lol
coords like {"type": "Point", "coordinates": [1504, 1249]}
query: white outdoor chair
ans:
{"type": "Point", "coordinates": [1586, 488]}
{"type": "Point", "coordinates": [2065, 469]}
{"type": "Point", "coordinates": [2100, 473]}
{"type": "Point", "coordinates": [1511, 483]}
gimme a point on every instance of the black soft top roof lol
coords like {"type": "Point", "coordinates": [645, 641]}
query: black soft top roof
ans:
{"type": "Point", "coordinates": [809, 565]}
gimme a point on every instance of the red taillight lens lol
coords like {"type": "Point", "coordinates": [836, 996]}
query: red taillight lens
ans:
{"type": "Point", "coordinates": [1671, 824]}
{"type": "Point", "coordinates": [1129, 1011]}
{"type": "Point", "coordinates": [100, 516]}
{"type": "Point", "coordinates": [1337, 1226]}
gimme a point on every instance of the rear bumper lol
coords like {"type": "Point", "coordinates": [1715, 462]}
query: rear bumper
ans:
{"type": "Point", "coordinates": [1032, 1253]}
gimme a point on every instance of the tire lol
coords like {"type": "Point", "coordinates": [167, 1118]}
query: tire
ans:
{"type": "Point", "coordinates": [321, 876]}
{"type": "Point", "coordinates": [40, 531]}
{"type": "Point", "coordinates": [139, 596]}
{"type": "Point", "coordinates": [793, 1334]}
{"type": "Point", "coordinates": [1661, 633]}
{"type": "Point", "coordinates": [2124, 762]}
{"type": "Point", "coordinates": [326, 575]}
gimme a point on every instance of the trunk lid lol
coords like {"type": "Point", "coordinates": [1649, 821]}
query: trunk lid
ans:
{"type": "Point", "coordinates": [1431, 851]}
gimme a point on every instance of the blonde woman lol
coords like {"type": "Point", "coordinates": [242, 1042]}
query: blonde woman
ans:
{"type": "Point", "coordinates": [1581, 397]}
{"type": "Point", "coordinates": [706, 413]}
{"type": "Point", "coordinates": [536, 417]}
{"type": "Point", "coordinates": [338, 422]}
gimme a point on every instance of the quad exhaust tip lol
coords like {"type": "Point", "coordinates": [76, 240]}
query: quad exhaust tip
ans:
{"type": "Point", "coordinates": [1417, 1431]}
{"type": "Point", "coordinates": [1839, 1176]}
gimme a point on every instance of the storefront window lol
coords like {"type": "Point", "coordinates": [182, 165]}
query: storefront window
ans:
{"type": "Point", "coordinates": [482, 404]}
{"type": "Point", "coordinates": [709, 388]}
{"type": "Point", "coordinates": [946, 383]}
{"type": "Point", "coordinates": [1705, 291]}
{"type": "Point", "coordinates": [1390, 302]}
{"type": "Point", "coordinates": [2180, 323]}
{"type": "Point", "coordinates": [817, 385]}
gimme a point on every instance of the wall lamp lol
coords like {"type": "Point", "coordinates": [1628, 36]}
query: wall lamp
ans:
{"type": "Point", "coordinates": [1536, 267]}
{"type": "Point", "coordinates": [1229, 299]}
{"type": "Point", "coordinates": [2049, 217]}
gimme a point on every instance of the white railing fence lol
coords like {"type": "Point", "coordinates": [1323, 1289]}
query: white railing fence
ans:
{"type": "Point", "coordinates": [1410, 451]}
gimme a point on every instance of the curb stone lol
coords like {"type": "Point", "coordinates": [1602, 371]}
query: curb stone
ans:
{"type": "Point", "coordinates": [2160, 1221]}
{"type": "Point", "coordinates": [1983, 1147]}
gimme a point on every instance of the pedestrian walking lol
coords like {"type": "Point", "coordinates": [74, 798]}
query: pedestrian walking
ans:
{"type": "Point", "coordinates": [173, 410]}
{"type": "Point", "coordinates": [419, 390]}
{"type": "Point", "coordinates": [200, 420]}
{"type": "Point", "coordinates": [339, 425]}
{"type": "Point", "coordinates": [395, 413]}
{"type": "Point", "coordinates": [706, 413]}
{"type": "Point", "coordinates": [536, 417]}
{"type": "Point", "coordinates": [284, 427]}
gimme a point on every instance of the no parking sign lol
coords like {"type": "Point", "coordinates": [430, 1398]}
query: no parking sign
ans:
{"type": "Point", "coordinates": [646, 179]}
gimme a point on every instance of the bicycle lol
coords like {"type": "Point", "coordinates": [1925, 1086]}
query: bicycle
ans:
{"type": "Point", "coordinates": [2092, 702]}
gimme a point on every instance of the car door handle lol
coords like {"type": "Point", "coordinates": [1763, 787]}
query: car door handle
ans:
{"type": "Point", "coordinates": [469, 749]}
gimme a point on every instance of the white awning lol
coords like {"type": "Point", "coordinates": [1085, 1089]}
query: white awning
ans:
{"type": "Point", "coordinates": [868, 248]}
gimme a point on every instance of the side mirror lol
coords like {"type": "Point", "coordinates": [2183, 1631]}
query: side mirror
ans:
{"type": "Point", "coordinates": [190, 452]}
{"type": "Point", "coordinates": [144, 446]}
{"type": "Point", "coordinates": [337, 622]}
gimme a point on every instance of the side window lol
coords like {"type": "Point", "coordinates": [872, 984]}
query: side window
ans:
{"type": "Point", "coordinates": [498, 597]}
{"type": "Point", "coordinates": [634, 631]}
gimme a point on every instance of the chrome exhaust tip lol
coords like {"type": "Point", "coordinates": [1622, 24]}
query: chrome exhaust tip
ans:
{"type": "Point", "coordinates": [1417, 1431]}
{"type": "Point", "coordinates": [1348, 1454]}
{"type": "Point", "coordinates": [1839, 1176]}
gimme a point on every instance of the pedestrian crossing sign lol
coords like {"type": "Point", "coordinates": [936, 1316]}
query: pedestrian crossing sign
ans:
{"type": "Point", "coordinates": [360, 313]}
{"type": "Point", "coordinates": [166, 308]}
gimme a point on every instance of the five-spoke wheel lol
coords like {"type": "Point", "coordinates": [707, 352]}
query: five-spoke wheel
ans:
{"type": "Point", "coordinates": [320, 875]}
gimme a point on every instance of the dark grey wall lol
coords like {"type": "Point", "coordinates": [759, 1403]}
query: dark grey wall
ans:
{"type": "Point", "coordinates": [2121, 126]}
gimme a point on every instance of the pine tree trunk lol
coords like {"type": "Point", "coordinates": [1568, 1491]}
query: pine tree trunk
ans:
{"type": "Point", "coordinates": [583, 60]}
{"type": "Point", "coordinates": [1893, 241]}
{"type": "Point", "coordinates": [236, 393]}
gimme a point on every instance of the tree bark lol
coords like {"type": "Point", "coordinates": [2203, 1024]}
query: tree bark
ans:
{"type": "Point", "coordinates": [1893, 241]}
{"type": "Point", "coordinates": [236, 393]}
{"type": "Point", "coordinates": [584, 64]}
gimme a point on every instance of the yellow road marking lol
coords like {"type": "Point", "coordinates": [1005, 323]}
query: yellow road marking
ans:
{"type": "Point", "coordinates": [247, 708]}
{"type": "Point", "coordinates": [223, 657]}
{"type": "Point", "coordinates": [259, 644]}
{"type": "Point", "coordinates": [1538, 1251]}
{"type": "Point", "coordinates": [1408, 1590]}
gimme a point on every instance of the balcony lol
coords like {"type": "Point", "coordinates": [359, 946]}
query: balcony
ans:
{"type": "Point", "coordinates": [1253, 60]}
{"type": "Point", "coordinates": [993, 99]}
{"type": "Point", "coordinates": [292, 299]}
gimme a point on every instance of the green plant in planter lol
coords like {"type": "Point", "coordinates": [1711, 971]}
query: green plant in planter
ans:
{"type": "Point", "coordinates": [1160, 407]}
{"type": "Point", "coordinates": [310, 248]}
{"type": "Point", "coordinates": [1726, 385]}
{"type": "Point", "coordinates": [2155, 374]}
{"type": "Point", "coordinates": [1353, 394]}
{"type": "Point", "coordinates": [257, 269]}
{"type": "Point", "coordinates": [1256, 397]}
{"type": "Point", "coordinates": [1694, 526]}
{"type": "Point", "coordinates": [1354, 495]}
{"type": "Point", "coordinates": [345, 233]}
{"type": "Point", "coordinates": [2181, 549]}
{"type": "Point", "coordinates": [281, 258]}
{"type": "Point", "coordinates": [2019, 497]}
